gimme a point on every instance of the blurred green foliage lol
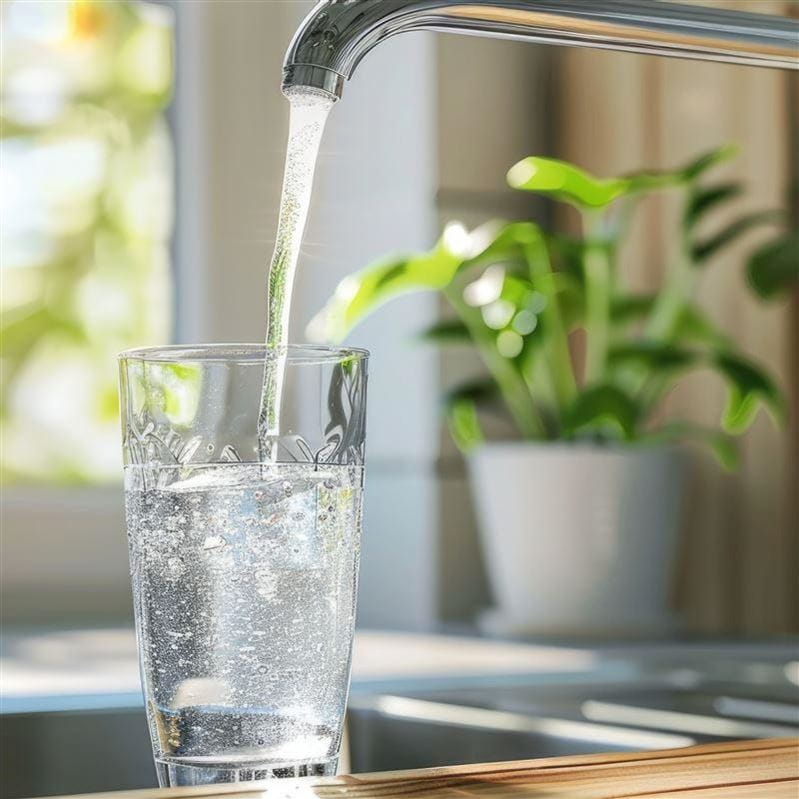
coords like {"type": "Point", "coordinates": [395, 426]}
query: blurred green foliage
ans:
{"type": "Point", "coordinates": [87, 217]}
{"type": "Point", "coordinates": [519, 293]}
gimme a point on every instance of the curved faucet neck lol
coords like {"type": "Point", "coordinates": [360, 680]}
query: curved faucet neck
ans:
{"type": "Point", "coordinates": [337, 34]}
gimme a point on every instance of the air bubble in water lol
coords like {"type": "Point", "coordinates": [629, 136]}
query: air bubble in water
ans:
{"type": "Point", "coordinates": [254, 640]}
{"type": "Point", "coordinates": [309, 112]}
{"type": "Point", "coordinates": [175, 566]}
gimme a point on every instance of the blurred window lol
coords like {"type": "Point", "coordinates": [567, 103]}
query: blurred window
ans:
{"type": "Point", "coordinates": [86, 210]}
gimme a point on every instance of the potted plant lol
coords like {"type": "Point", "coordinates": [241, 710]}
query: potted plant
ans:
{"type": "Point", "coordinates": [579, 509]}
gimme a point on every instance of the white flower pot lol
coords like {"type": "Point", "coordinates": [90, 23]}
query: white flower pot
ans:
{"type": "Point", "coordinates": [578, 538]}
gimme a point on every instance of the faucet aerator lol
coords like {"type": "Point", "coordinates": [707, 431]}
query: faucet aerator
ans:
{"type": "Point", "coordinates": [310, 78]}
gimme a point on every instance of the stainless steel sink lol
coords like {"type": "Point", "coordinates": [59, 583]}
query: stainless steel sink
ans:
{"type": "Point", "coordinates": [390, 732]}
{"type": "Point", "coordinates": [661, 702]}
{"type": "Point", "coordinates": [393, 732]}
{"type": "Point", "coordinates": [68, 752]}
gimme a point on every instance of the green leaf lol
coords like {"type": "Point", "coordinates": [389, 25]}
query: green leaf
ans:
{"type": "Point", "coordinates": [774, 268]}
{"type": "Point", "coordinates": [568, 282]}
{"type": "Point", "coordinates": [510, 237]}
{"type": "Point", "coordinates": [568, 183]}
{"type": "Point", "coordinates": [703, 250]}
{"type": "Point", "coordinates": [631, 307]}
{"type": "Point", "coordinates": [693, 325]}
{"type": "Point", "coordinates": [654, 356]}
{"type": "Point", "coordinates": [601, 406]}
{"type": "Point", "coordinates": [749, 387]}
{"type": "Point", "coordinates": [363, 292]}
{"type": "Point", "coordinates": [703, 199]}
{"type": "Point", "coordinates": [566, 255]}
{"type": "Point", "coordinates": [721, 445]}
{"type": "Point", "coordinates": [640, 182]}
{"type": "Point", "coordinates": [565, 182]}
{"type": "Point", "coordinates": [450, 331]}
{"type": "Point", "coordinates": [690, 325]}
{"type": "Point", "coordinates": [708, 160]}
{"type": "Point", "coordinates": [460, 406]}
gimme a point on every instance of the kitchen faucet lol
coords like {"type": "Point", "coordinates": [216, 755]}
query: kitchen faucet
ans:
{"type": "Point", "coordinates": [337, 34]}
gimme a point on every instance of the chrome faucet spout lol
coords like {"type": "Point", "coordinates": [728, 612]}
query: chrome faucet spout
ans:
{"type": "Point", "coordinates": [337, 34]}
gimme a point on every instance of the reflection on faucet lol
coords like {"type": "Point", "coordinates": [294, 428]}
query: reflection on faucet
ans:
{"type": "Point", "coordinates": [337, 34]}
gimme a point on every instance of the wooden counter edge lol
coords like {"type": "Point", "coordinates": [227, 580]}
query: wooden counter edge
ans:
{"type": "Point", "coordinates": [735, 770]}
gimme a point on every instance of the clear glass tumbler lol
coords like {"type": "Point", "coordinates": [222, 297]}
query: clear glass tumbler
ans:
{"type": "Point", "coordinates": [244, 568]}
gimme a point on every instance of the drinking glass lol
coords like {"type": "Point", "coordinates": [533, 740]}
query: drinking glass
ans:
{"type": "Point", "coordinates": [244, 567]}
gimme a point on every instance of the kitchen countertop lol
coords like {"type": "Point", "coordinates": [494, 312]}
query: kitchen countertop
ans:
{"type": "Point", "coordinates": [741, 770]}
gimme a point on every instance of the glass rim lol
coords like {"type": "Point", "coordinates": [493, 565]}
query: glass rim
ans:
{"type": "Point", "coordinates": [306, 354]}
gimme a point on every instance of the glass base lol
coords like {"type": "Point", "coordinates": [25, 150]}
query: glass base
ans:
{"type": "Point", "coordinates": [172, 774]}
